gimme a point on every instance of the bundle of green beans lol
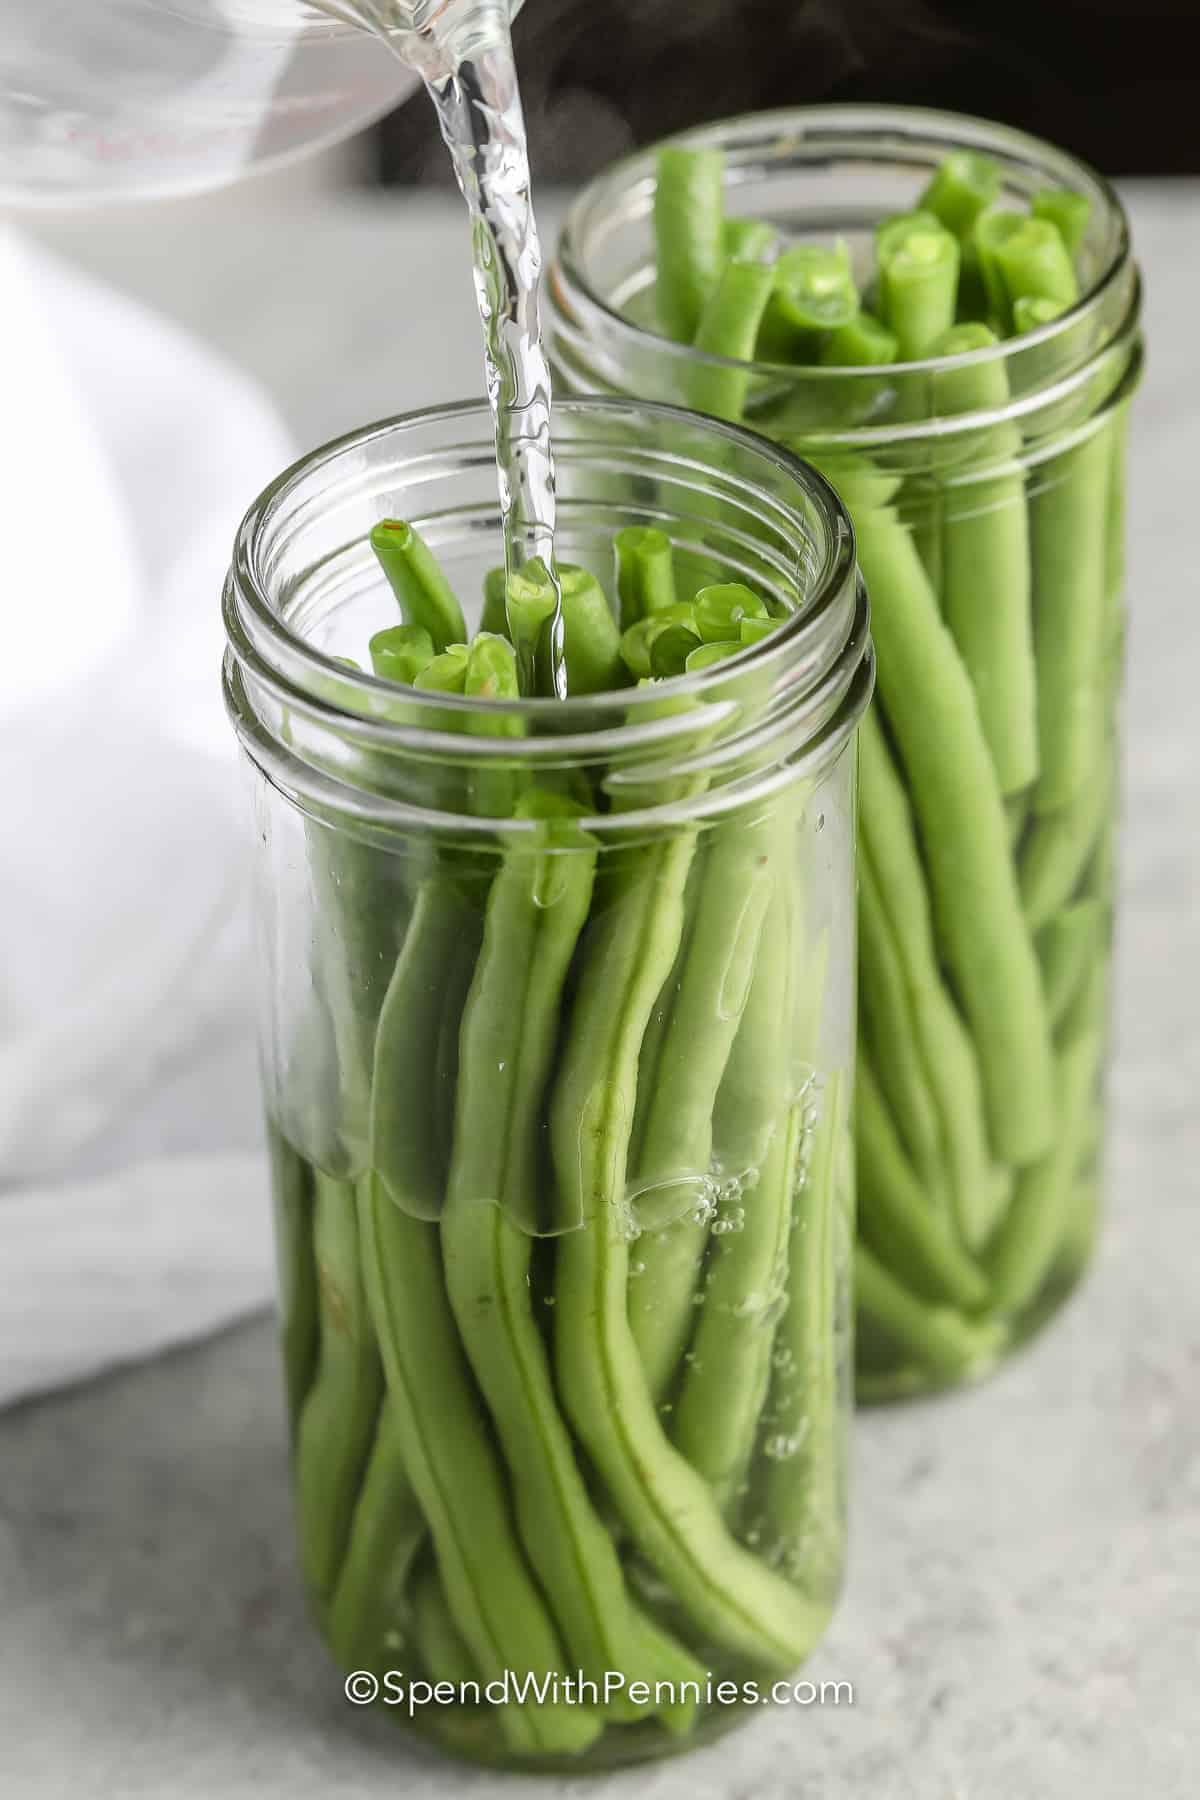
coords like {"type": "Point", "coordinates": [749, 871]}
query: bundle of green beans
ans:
{"type": "Point", "coordinates": [562, 1346]}
{"type": "Point", "coordinates": [992, 558]}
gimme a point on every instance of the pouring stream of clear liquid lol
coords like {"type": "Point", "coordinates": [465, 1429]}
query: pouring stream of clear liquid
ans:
{"type": "Point", "coordinates": [463, 52]}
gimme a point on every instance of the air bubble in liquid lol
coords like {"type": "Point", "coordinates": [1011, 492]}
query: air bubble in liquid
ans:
{"type": "Point", "coordinates": [702, 1213]}
{"type": "Point", "coordinates": [750, 1305]}
{"type": "Point", "coordinates": [657, 1205]}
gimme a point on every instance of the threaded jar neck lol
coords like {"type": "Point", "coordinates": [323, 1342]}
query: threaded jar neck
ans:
{"type": "Point", "coordinates": [821, 173]}
{"type": "Point", "coordinates": [304, 595]}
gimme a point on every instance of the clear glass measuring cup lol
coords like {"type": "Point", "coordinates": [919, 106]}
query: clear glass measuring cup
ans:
{"type": "Point", "coordinates": [145, 97]}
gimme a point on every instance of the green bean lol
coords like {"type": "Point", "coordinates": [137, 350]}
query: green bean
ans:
{"type": "Point", "coordinates": [1031, 310]}
{"type": "Point", "coordinates": [360, 905]}
{"type": "Point", "coordinates": [813, 295]}
{"type": "Point", "coordinates": [493, 1598]}
{"type": "Point", "coordinates": [893, 232]}
{"type": "Point", "coordinates": [742, 868]}
{"type": "Point", "coordinates": [408, 1095]}
{"type": "Point", "coordinates": [986, 578]}
{"type": "Point", "coordinates": [671, 649]}
{"type": "Point", "coordinates": [446, 673]}
{"type": "Point", "coordinates": [591, 641]}
{"type": "Point", "coordinates": [1056, 850]}
{"type": "Point", "coordinates": [753, 631]}
{"type": "Point", "coordinates": [299, 1327]}
{"type": "Point", "coordinates": [720, 609]}
{"type": "Point", "coordinates": [894, 1215]}
{"type": "Point", "coordinates": [645, 572]}
{"type": "Point", "coordinates": [710, 654]}
{"type": "Point", "coordinates": [862, 484]}
{"type": "Point", "coordinates": [533, 599]}
{"type": "Point", "coordinates": [426, 597]}
{"type": "Point", "coordinates": [439, 1643]}
{"type": "Point", "coordinates": [591, 636]}
{"type": "Point", "coordinates": [748, 240]}
{"type": "Point", "coordinates": [936, 1336]}
{"type": "Point", "coordinates": [1034, 261]}
{"type": "Point", "coordinates": [365, 1625]}
{"type": "Point", "coordinates": [862, 342]}
{"type": "Point", "coordinates": [1067, 211]}
{"type": "Point", "coordinates": [918, 283]}
{"type": "Point", "coordinates": [401, 653]}
{"type": "Point", "coordinates": [1067, 508]}
{"type": "Point", "coordinates": [728, 327]}
{"type": "Point", "coordinates": [660, 1017]}
{"type": "Point", "coordinates": [1016, 809]}
{"type": "Point", "coordinates": [886, 1012]}
{"type": "Point", "coordinates": [961, 186]}
{"type": "Point", "coordinates": [727, 1370]}
{"type": "Point", "coordinates": [637, 643]}
{"type": "Point", "coordinates": [538, 905]}
{"type": "Point", "coordinates": [803, 1501]}
{"type": "Point", "coordinates": [921, 507]}
{"type": "Point", "coordinates": [1029, 1237]}
{"type": "Point", "coordinates": [338, 1417]}
{"type": "Point", "coordinates": [931, 707]}
{"type": "Point", "coordinates": [888, 849]}
{"type": "Point", "coordinates": [1067, 947]}
{"type": "Point", "coordinates": [972, 304]}
{"type": "Point", "coordinates": [783, 410]}
{"type": "Point", "coordinates": [494, 617]}
{"type": "Point", "coordinates": [491, 674]}
{"type": "Point", "coordinates": [445, 1657]}
{"type": "Point", "coordinates": [992, 230]}
{"type": "Point", "coordinates": [668, 1509]}
{"type": "Point", "coordinates": [688, 220]}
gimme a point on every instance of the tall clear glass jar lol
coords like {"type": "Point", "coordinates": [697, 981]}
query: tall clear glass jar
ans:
{"type": "Point", "coordinates": [987, 495]}
{"type": "Point", "coordinates": [557, 1042]}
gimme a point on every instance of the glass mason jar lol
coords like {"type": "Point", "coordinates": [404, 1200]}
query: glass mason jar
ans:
{"type": "Point", "coordinates": [557, 1040]}
{"type": "Point", "coordinates": [987, 493]}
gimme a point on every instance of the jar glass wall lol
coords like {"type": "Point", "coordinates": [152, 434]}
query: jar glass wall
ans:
{"type": "Point", "coordinates": [558, 1038]}
{"type": "Point", "coordinates": [987, 494]}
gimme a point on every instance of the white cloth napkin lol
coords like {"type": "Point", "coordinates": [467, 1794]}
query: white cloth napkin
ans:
{"type": "Point", "coordinates": [133, 1192]}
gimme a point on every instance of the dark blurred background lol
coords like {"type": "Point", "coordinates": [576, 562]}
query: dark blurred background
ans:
{"type": "Point", "coordinates": [1115, 81]}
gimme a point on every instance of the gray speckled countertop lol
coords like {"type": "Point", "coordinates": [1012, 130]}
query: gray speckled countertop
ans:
{"type": "Point", "coordinates": [1023, 1611]}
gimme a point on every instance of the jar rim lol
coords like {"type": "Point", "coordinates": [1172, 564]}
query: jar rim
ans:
{"type": "Point", "coordinates": [791, 127]}
{"type": "Point", "coordinates": [808, 666]}
{"type": "Point", "coordinates": [247, 602]}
